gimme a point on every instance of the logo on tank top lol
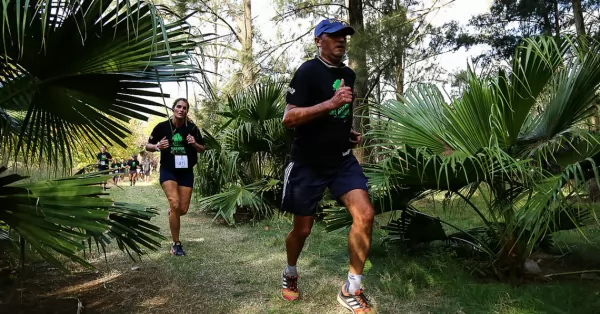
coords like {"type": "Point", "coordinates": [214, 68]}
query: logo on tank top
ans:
{"type": "Point", "coordinates": [342, 112]}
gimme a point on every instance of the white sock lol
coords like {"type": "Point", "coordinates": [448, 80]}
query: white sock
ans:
{"type": "Point", "coordinates": [291, 270]}
{"type": "Point", "coordinates": [353, 282]}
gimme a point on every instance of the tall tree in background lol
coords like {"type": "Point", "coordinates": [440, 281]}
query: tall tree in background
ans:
{"type": "Point", "coordinates": [245, 37]}
{"type": "Point", "coordinates": [578, 14]}
{"type": "Point", "coordinates": [358, 62]}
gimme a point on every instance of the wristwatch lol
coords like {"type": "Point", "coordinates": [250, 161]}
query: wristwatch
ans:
{"type": "Point", "coordinates": [156, 149]}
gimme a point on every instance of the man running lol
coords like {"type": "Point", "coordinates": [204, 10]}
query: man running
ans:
{"type": "Point", "coordinates": [319, 108]}
{"type": "Point", "coordinates": [103, 159]}
{"type": "Point", "coordinates": [133, 165]}
{"type": "Point", "coordinates": [179, 142]}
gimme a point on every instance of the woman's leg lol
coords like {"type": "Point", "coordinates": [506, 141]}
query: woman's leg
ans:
{"type": "Point", "coordinates": [172, 192]}
{"type": "Point", "coordinates": [185, 195]}
{"type": "Point", "coordinates": [186, 184]}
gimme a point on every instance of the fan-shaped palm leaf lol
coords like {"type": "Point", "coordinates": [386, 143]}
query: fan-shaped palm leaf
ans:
{"type": "Point", "coordinates": [71, 70]}
{"type": "Point", "coordinates": [496, 133]}
{"type": "Point", "coordinates": [59, 215]}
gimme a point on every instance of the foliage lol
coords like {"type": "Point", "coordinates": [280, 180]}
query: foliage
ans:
{"type": "Point", "coordinates": [75, 72]}
{"type": "Point", "coordinates": [72, 75]}
{"type": "Point", "coordinates": [58, 216]}
{"type": "Point", "coordinates": [243, 163]}
{"type": "Point", "coordinates": [521, 134]}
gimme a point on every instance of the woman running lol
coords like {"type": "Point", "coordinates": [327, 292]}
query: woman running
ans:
{"type": "Point", "coordinates": [179, 142]}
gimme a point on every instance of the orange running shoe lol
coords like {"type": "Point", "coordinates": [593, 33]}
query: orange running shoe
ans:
{"type": "Point", "coordinates": [289, 289]}
{"type": "Point", "coordinates": [356, 302]}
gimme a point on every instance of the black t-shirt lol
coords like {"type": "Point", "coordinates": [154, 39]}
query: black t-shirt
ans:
{"type": "Point", "coordinates": [104, 159]}
{"type": "Point", "coordinates": [178, 144]}
{"type": "Point", "coordinates": [324, 139]}
{"type": "Point", "coordinates": [133, 164]}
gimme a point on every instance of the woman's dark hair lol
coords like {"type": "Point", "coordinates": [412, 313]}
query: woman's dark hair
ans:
{"type": "Point", "coordinates": [181, 99]}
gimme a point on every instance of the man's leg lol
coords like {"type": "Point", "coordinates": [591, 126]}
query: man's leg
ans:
{"type": "Point", "coordinates": [359, 239]}
{"type": "Point", "coordinates": [303, 189]}
{"type": "Point", "coordinates": [294, 242]}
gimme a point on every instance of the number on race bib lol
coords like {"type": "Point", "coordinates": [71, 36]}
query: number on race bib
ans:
{"type": "Point", "coordinates": [181, 162]}
{"type": "Point", "coordinates": [102, 163]}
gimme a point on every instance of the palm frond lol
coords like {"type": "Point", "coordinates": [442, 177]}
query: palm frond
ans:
{"type": "Point", "coordinates": [73, 70]}
{"type": "Point", "coordinates": [57, 216]}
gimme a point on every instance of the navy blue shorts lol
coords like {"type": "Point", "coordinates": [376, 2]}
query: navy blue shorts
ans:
{"type": "Point", "coordinates": [304, 184]}
{"type": "Point", "coordinates": [183, 177]}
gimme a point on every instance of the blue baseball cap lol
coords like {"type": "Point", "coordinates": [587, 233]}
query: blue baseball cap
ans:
{"type": "Point", "coordinates": [330, 26]}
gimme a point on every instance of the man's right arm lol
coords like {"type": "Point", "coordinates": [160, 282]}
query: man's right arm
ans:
{"type": "Point", "coordinates": [295, 115]}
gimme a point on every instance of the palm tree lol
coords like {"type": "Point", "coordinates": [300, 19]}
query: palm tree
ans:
{"type": "Point", "coordinates": [519, 137]}
{"type": "Point", "coordinates": [244, 172]}
{"type": "Point", "coordinates": [72, 74]}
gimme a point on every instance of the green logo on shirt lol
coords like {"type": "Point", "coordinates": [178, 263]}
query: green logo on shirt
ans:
{"type": "Point", "coordinates": [344, 111]}
{"type": "Point", "coordinates": [178, 148]}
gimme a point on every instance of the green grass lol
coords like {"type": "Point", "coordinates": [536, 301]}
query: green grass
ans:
{"type": "Point", "coordinates": [237, 270]}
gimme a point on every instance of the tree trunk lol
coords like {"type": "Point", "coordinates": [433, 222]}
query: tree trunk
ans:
{"type": "Point", "coordinates": [578, 13]}
{"type": "Point", "coordinates": [358, 62]}
{"type": "Point", "coordinates": [215, 52]}
{"type": "Point", "coordinates": [580, 26]}
{"type": "Point", "coordinates": [556, 20]}
{"type": "Point", "coordinates": [246, 53]}
{"type": "Point", "coordinates": [400, 76]}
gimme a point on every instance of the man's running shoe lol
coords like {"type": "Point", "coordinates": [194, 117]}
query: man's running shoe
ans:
{"type": "Point", "coordinates": [289, 290]}
{"type": "Point", "coordinates": [356, 302]}
{"type": "Point", "coordinates": [177, 249]}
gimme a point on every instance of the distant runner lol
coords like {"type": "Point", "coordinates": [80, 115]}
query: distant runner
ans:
{"type": "Point", "coordinates": [115, 170]}
{"type": "Point", "coordinates": [103, 159]}
{"type": "Point", "coordinates": [179, 142]}
{"type": "Point", "coordinates": [133, 165]}
{"type": "Point", "coordinates": [146, 165]}
{"type": "Point", "coordinates": [319, 108]}
{"type": "Point", "coordinates": [122, 169]}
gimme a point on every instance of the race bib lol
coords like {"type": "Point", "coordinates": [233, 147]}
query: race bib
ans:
{"type": "Point", "coordinates": [102, 163]}
{"type": "Point", "coordinates": [181, 161]}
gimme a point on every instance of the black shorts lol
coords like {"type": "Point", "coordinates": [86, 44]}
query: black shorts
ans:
{"type": "Point", "coordinates": [183, 177]}
{"type": "Point", "coordinates": [304, 184]}
{"type": "Point", "coordinates": [102, 168]}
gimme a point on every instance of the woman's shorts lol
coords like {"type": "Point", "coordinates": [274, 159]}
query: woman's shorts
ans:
{"type": "Point", "coordinates": [183, 177]}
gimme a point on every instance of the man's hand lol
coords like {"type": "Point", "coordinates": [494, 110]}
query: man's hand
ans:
{"type": "Point", "coordinates": [164, 143]}
{"type": "Point", "coordinates": [355, 137]}
{"type": "Point", "coordinates": [342, 96]}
